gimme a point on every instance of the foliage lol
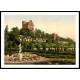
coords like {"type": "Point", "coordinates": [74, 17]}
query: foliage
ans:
{"type": "Point", "coordinates": [13, 39]}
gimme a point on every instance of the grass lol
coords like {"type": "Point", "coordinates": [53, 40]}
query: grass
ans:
{"type": "Point", "coordinates": [49, 58]}
{"type": "Point", "coordinates": [29, 54]}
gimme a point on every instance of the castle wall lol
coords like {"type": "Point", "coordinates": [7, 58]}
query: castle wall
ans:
{"type": "Point", "coordinates": [28, 25]}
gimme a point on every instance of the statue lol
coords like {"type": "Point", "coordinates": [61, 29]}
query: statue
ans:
{"type": "Point", "coordinates": [20, 48]}
{"type": "Point", "coordinates": [20, 54]}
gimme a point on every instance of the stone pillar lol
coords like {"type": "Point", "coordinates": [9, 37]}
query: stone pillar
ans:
{"type": "Point", "coordinates": [20, 56]}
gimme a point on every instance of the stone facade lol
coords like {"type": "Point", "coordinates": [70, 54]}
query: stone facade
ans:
{"type": "Point", "coordinates": [29, 25]}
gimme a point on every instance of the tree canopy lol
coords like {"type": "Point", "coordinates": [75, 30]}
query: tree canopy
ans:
{"type": "Point", "coordinates": [14, 36]}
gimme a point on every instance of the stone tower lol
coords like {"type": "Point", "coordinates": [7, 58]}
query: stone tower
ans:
{"type": "Point", "coordinates": [28, 25]}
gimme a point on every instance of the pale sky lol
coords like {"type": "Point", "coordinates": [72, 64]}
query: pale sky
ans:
{"type": "Point", "coordinates": [63, 25]}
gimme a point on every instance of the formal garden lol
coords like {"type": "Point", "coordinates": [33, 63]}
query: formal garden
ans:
{"type": "Point", "coordinates": [38, 47]}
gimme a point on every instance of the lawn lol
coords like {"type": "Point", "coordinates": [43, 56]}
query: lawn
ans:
{"type": "Point", "coordinates": [45, 58]}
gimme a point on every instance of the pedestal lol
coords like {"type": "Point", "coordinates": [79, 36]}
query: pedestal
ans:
{"type": "Point", "coordinates": [20, 56]}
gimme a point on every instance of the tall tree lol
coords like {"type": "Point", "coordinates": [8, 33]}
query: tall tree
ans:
{"type": "Point", "coordinates": [6, 33]}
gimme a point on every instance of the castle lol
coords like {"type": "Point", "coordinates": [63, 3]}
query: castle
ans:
{"type": "Point", "coordinates": [29, 25]}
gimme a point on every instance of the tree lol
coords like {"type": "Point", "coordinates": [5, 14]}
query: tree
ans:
{"type": "Point", "coordinates": [70, 41]}
{"type": "Point", "coordinates": [47, 36]}
{"type": "Point", "coordinates": [43, 35]}
{"type": "Point", "coordinates": [16, 31]}
{"type": "Point", "coordinates": [14, 36]}
{"type": "Point", "coordinates": [6, 33]}
{"type": "Point", "coordinates": [44, 46]}
{"type": "Point", "coordinates": [26, 33]}
{"type": "Point", "coordinates": [39, 45]}
{"type": "Point", "coordinates": [6, 29]}
{"type": "Point", "coordinates": [38, 33]}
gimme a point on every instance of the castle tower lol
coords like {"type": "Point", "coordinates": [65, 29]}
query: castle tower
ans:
{"type": "Point", "coordinates": [28, 25]}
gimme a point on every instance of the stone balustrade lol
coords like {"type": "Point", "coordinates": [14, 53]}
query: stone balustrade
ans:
{"type": "Point", "coordinates": [58, 49]}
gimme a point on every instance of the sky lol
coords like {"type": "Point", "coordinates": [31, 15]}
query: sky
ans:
{"type": "Point", "coordinates": [63, 25]}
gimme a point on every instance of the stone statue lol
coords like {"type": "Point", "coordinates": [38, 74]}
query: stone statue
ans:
{"type": "Point", "coordinates": [20, 54]}
{"type": "Point", "coordinates": [20, 48]}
